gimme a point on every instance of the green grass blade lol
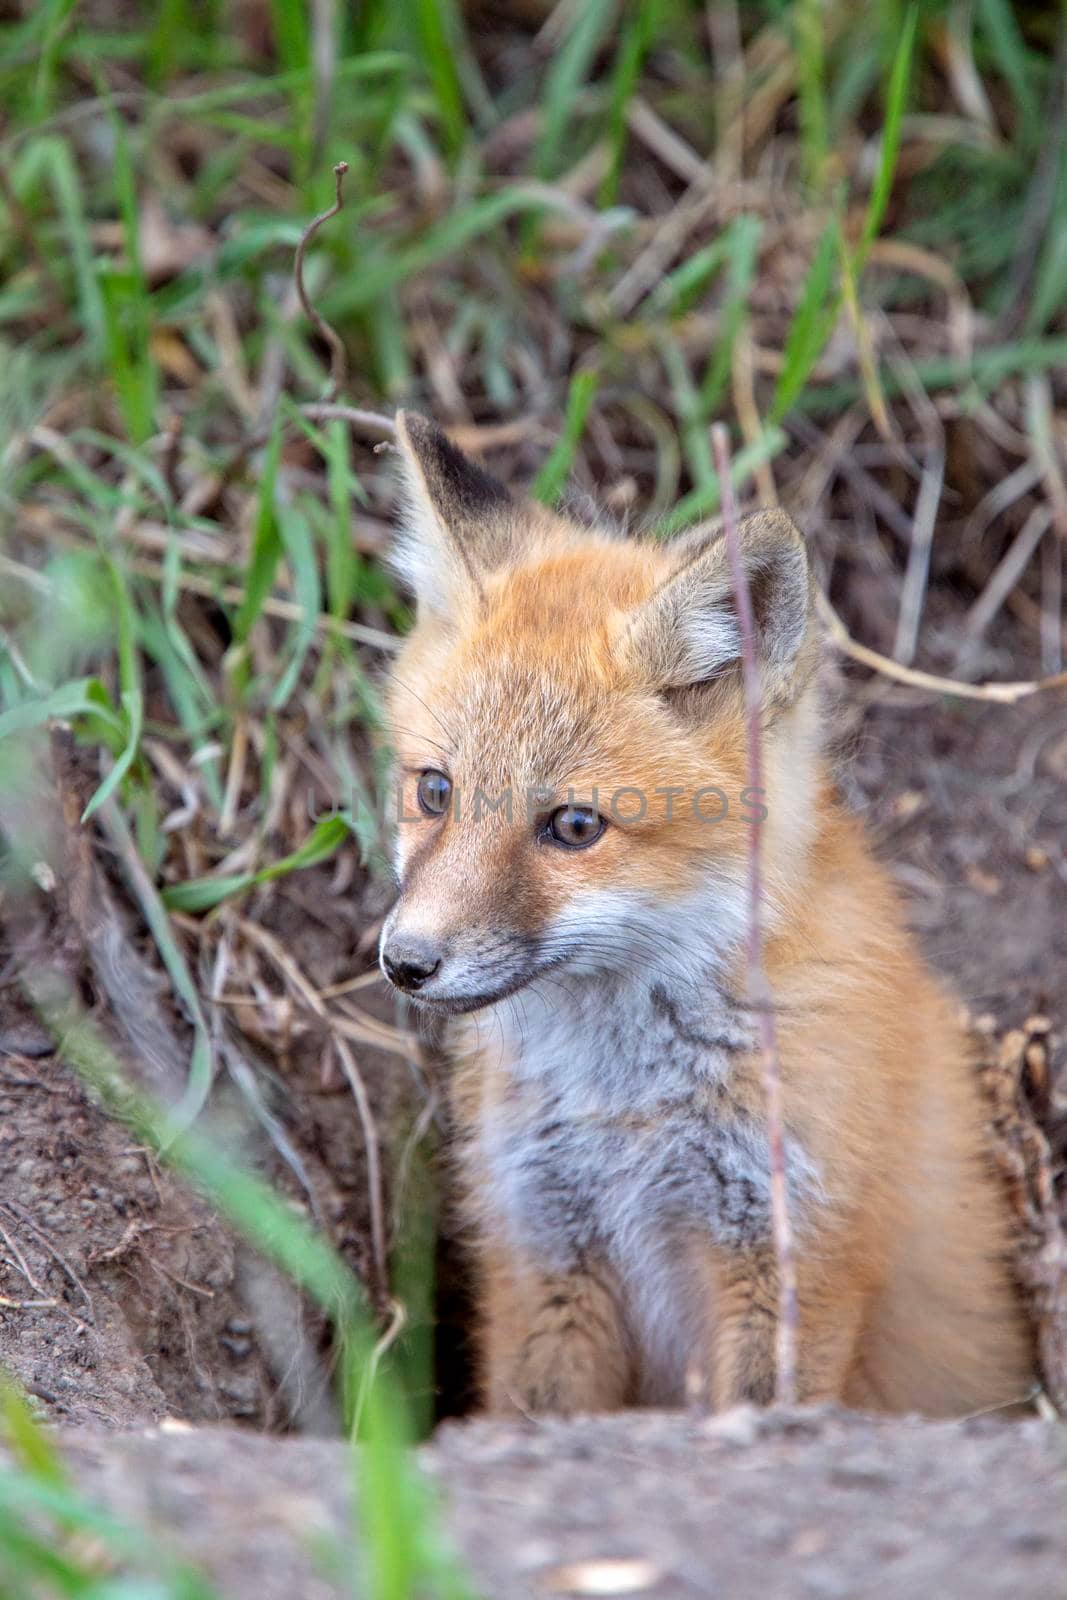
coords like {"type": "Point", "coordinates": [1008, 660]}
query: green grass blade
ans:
{"type": "Point", "coordinates": [999, 20]}
{"type": "Point", "coordinates": [743, 258]}
{"type": "Point", "coordinates": [85, 697]}
{"type": "Point", "coordinates": [896, 100]}
{"type": "Point", "coordinates": [453, 234]}
{"type": "Point", "coordinates": [127, 305]}
{"type": "Point", "coordinates": [201, 1061]}
{"type": "Point", "coordinates": [1049, 295]}
{"type": "Point", "coordinates": [566, 74]}
{"type": "Point", "coordinates": [809, 21]}
{"type": "Point", "coordinates": [204, 894]}
{"type": "Point", "coordinates": [704, 501]}
{"type": "Point", "coordinates": [681, 288]}
{"type": "Point", "coordinates": [985, 369]}
{"type": "Point", "coordinates": [66, 183]}
{"type": "Point", "coordinates": [434, 28]}
{"type": "Point", "coordinates": [637, 37]}
{"type": "Point", "coordinates": [266, 1220]}
{"type": "Point", "coordinates": [324, 840]}
{"type": "Point", "coordinates": [54, 15]}
{"type": "Point", "coordinates": [129, 356]}
{"type": "Point", "coordinates": [267, 546]}
{"type": "Point", "coordinates": [130, 692]}
{"type": "Point", "coordinates": [548, 484]}
{"type": "Point", "coordinates": [341, 557]}
{"type": "Point", "coordinates": [289, 24]}
{"type": "Point", "coordinates": [812, 323]}
{"type": "Point", "coordinates": [300, 550]}
{"type": "Point", "coordinates": [27, 1440]}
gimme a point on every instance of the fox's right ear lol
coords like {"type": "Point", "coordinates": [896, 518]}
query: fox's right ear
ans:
{"type": "Point", "coordinates": [686, 634]}
{"type": "Point", "coordinates": [458, 522]}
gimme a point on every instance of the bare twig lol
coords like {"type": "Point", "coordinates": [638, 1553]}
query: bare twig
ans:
{"type": "Point", "coordinates": [20, 1212]}
{"type": "Point", "coordinates": [1005, 694]}
{"type": "Point", "coordinates": [338, 361]}
{"type": "Point", "coordinates": [1006, 575]}
{"type": "Point", "coordinates": [728, 54]}
{"type": "Point", "coordinates": [21, 1262]}
{"type": "Point", "coordinates": [758, 986]}
{"type": "Point", "coordinates": [1051, 605]}
{"type": "Point", "coordinates": [374, 423]}
{"type": "Point", "coordinates": [240, 1069]}
{"type": "Point", "coordinates": [306, 991]}
{"type": "Point", "coordinates": [917, 572]}
{"type": "Point", "coordinates": [664, 142]}
{"type": "Point", "coordinates": [1042, 431]}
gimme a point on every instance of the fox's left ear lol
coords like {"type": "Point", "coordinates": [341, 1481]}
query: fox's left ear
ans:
{"type": "Point", "coordinates": [687, 633]}
{"type": "Point", "coordinates": [459, 522]}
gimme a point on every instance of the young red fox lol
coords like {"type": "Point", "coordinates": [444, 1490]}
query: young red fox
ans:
{"type": "Point", "coordinates": [568, 718]}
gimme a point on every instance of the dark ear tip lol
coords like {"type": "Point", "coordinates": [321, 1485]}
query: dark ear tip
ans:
{"type": "Point", "coordinates": [458, 486]}
{"type": "Point", "coordinates": [416, 430]}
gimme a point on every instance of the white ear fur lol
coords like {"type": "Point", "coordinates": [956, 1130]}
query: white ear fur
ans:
{"type": "Point", "coordinates": [687, 631]}
{"type": "Point", "coordinates": [456, 519]}
{"type": "Point", "coordinates": [422, 556]}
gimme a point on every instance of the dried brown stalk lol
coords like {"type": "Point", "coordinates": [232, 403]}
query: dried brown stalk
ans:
{"type": "Point", "coordinates": [758, 987]}
{"type": "Point", "coordinates": [306, 991]}
{"type": "Point", "coordinates": [1005, 694]}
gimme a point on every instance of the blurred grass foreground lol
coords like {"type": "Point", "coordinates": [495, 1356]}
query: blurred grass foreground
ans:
{"type": "Point", "coordinates": [577, 234]}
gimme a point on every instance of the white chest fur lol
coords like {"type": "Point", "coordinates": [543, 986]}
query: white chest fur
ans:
{"type": "Point", "coordinates": [617, 1140]}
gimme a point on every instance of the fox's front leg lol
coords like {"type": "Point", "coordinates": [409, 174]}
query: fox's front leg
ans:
{"type": "Point", "coordinates": [553, 1342]}
{"type": "Point", "coordinates": [744, 1328]}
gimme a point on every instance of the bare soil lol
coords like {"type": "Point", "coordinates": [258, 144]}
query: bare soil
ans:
{"type": "Point", "coordinates": [123, 1297]}
{"type": "Point", "coordinates": [820, 1504]}
{"type": "Point", "coordinates": [967, 804]}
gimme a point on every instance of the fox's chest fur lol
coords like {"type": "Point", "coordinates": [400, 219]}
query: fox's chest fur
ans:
{"type": "Point", "coordinates": [615, 1137]}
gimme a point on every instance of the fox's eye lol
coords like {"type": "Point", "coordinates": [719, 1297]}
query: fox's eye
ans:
{"type": "Point", "coordinates": [575, 826]}
{"type": "Point", "coordinates": [433, 793]}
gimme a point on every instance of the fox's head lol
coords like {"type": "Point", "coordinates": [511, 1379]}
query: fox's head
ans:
{"type": "Point", "coordinates": [569, 726]}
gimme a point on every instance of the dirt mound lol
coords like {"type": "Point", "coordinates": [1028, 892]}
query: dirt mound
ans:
{"type": "Point", "coordinates": [123, 1297]}
{"type": "Point", "coordinates": [120, 1290]}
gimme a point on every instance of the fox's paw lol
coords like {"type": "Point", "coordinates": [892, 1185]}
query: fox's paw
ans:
{"type": "Point", "coordinates": [565, 1366]}
{"type": "Point", "coordinates": [560, 1383]}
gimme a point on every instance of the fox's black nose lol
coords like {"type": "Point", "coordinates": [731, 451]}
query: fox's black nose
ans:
{"type": "Point", "coordinates": [409, 962]}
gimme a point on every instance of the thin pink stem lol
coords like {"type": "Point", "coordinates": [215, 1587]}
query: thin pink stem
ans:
{"type": "Point", "coordinates": [759, 988]}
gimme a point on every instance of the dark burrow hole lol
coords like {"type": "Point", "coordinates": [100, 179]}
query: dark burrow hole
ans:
{"type": "Point", "coordinates": [453, 1344]}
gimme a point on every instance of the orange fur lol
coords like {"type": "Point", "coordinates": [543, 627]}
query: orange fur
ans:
{"type": "Point", "coordinates": [527, 673]}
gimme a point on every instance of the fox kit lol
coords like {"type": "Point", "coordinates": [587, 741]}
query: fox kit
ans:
{"type": "Point", "coordinates": [568, 720]}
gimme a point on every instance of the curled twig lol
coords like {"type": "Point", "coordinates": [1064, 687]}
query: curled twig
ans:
{"type": "Point", "coordinates": [758, 986]}
{"type": "Point", "coordinates": [338, 361]}
{"type": "Point", "coordinates": [398, 1316]}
